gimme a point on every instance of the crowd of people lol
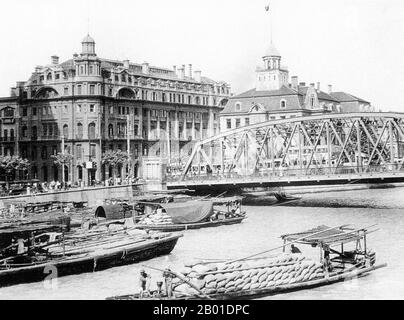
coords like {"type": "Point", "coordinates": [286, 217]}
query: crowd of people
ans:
{"type": "Point", "coordinates": [31, 188]}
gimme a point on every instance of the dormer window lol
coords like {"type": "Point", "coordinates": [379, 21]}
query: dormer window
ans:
{"type": "Point", "coordinates": [238, 106]}
{"type": "Point", "coordinates": [283, 104]}
{"type": "Point", "coordinates": [312, 100]}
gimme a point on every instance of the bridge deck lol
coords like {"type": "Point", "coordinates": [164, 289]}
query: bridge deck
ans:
{"type": "Point", "coordinates": [203, 183]}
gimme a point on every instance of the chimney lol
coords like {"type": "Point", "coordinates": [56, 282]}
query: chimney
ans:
{"type": "Point", "coordinates": [312, 85]}
{"type": "Point", "coordinates": [295, 83]}
{"type": "Point", "coordinates": [126, 64]}
{"type": "Point", "coordinates": [190, 71]}
{"type": "Point", "coordinates": [318, 86]}
{"type": "Point", "coordinates": [181, 72]}
{"type": "Point", "coordinates": [329, 88]}
{"type": "Point", "coordinates": [55, 60]}
{"type": "Point", "coordinates": [303, 84]}
{"type": "Point", "coordinates": [197, 75]}
{"type": "Point", "coordinates": [175, 70]}
{"type": "Point", "coordinates": [145, 68]}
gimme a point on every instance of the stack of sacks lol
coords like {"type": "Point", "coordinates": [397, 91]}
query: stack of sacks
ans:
{"type": "Point", "coordinates": [160, 218]}
{"type": "Point", "coordinates": [216, 278]}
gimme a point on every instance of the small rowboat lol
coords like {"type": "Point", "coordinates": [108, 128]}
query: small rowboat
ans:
{"type": "Point", "coordinates": [93, 257]}
{"type": "Point", "coordinates": [190, 226]}
{"type": "Point", "coordinates": [251, 277]}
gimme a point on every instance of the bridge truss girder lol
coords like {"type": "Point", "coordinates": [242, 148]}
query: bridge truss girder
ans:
{"type": "Point", "coordinates": [329, 142]}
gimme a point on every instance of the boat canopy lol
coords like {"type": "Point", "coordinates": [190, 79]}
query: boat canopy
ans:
{"type": "Point", "coordinates": [324, 235]}
{"type": "Point", "coordinates": [188, 212]}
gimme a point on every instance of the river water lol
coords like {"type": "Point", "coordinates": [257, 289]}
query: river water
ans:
{"type": "Point", "coordinates": [260, 231]}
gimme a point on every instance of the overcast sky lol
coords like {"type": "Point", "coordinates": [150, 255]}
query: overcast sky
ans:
{"type": "Point", "coordinates": [355, 45]}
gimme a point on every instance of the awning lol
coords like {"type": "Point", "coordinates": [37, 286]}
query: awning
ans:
{"type": "Point", "coordinates": [188, 212]}
{"type": "Point", "coordinates": [322, 235]}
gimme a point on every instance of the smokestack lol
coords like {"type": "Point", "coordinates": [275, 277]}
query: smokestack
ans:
{"type": "Point", "coordinates": [190, 71]}
{"type": "Point", "coordinates": [318, 86]}
{"type": "Point", "coordinates": [197, 75]}
{"type": "Point", "coordinates": [329, 88]}
{"type": "Point", "coordinates": [55, 60]}
{"type": "Point", "coordinates": [295, 83]}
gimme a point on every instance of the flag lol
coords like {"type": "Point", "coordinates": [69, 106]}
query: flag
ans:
{"type": "Point", "coordinates": [267, 8]}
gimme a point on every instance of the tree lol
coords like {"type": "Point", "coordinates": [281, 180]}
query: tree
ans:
{"type": "Point", "coordinates": [62, 160]}
{"type": "Point", "coordinates": [9, 165]}
{"type": "Point", "coordinates": [115, 159]}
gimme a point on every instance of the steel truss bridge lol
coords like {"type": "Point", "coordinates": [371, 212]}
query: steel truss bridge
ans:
{"type": "Point", "coordinates": [314, 150]}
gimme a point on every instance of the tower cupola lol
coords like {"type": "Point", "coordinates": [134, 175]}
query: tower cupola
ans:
{"type": "Point", "coordinates": [88, 46]}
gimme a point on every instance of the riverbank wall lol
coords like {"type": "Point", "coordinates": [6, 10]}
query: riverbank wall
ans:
{"type": "Point", "coordinates": [93, 196]}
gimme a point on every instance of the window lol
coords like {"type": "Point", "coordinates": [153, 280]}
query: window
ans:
{"type": "Point", "coordinates": [283, 104]}
{"type": "Point", "coordinates": [9, 112]}
{"type": "Point", "coordinates": [111, 110]}
{"type": "Point", "coordinates": [228, 123]}
{"type": "Point", "coordinates": [65, 109]}
{"type": "Point", "coordinates": [44, 153]}
{"type": "Point", "coordinates": [111, 131]}
{"type": "Point", "coordinates": [79, 151]}
{"type": "Point", "coordinates": [66, 131]}
{"type": "Point", "coordinates": [79, 130]}
{"type": "Point", "coordinates": [312, 100]}
{"type": "Point", "coordinates": [34, 132]}
{"type": "Point", "coordinates": [93, 151]}
{"type": "Point", "coordinates": [78, 108]}
{"type": "Point", "coordinates": [238, 122]}
{"type": "Point", "coordinates": [247, 121]}
{"type": "Point", "coordinates": [82, 69]}
{"type": "Point", "coordinates": [92, 89]}
{"type": "Point", "coordinates": [91, 130]}
{"type": "Point", "coordinates": [91, 69]}
{"type": "Point", "coordinates": [238, 106]}
{"type": "Point", "coordinates": [110, 92]}
{"type": "Point", "coordinates": [92, 108]}
{"type": "Point", "coordinates": [24, 112]}
{"type": "Point", "coordinates": [24, 131]}
{"type": "Point", "coordinates": [57, 76]}
{"type": "Point", "coordinates": [49, 76]}
{"type": "Point", "coordinates": [79, 89]}
{"type": "Point", "coordinates": [34, 111]}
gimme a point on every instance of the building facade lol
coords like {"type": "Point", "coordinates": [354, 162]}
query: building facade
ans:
{"type": "Point", "coordinates": [274, 97]}
{"type": "Point", "coordinates": [88, 105]}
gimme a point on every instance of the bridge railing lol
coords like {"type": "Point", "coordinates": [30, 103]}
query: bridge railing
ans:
{"type": "Point", "coordinates": [284, 173]}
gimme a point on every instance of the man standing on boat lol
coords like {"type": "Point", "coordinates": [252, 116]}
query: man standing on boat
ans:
{"type": "Point", "coordinates": [294, 249]}
{"type": "Point", "coordinates": [144, 283]}
{"type": "Point", "coordinates": [168, 279]}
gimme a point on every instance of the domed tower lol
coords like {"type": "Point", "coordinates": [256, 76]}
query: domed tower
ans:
{"type": "Point", "coordinates": [272, 76]}
{"type": "Point", "coordinates": [272, 58]}
{"type": "Point", "coordinates": [88, 64]}
{"type": "Point", "coordinates": [88, 46]}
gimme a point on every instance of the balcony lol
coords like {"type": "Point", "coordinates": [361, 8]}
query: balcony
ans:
{"type": "Point", "coordinates": [7, 139]}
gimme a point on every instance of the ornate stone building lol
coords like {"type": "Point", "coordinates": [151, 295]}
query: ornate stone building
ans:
{"type": "Point", "coordinates": [88, 105]}
{"type": "Point", "coordinates": [274, 97]}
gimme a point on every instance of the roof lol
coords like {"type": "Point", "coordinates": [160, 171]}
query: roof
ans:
{"type": "Point", "coordinates": [88, 39]}
{"type": "Point", "coordinates": [346, 97]}
{"type": "Point", "coordinates": [323, 235]}
{"type": "Point", "coordinates": [253, 93]}
{"type": "Point", "coordinates": [320, 94]}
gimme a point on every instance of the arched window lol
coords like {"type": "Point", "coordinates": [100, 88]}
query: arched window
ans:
{"type": "Point", "coordinates": [111, 130]}
{"type": "Point", "coordinates": [79, 130]}
{"type": "Point", "coordinates": [91, 130]}
{"type": "Point", "coordinates": [66, 131]}
{"type": "Point", "coordinates": [238, 106]}
{"type": "Point", "coordinates": [49, 76]}
{"type": "Point", "coordinates": [283, 104]}
{"type": "Point", "coordinates": [197, 100]}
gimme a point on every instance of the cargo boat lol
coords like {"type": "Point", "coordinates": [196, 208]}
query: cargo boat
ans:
{"type": "Point", "coordinates": [84, 255]}
{"type": "Point", "coordinates": [195, 214]}
{"type": "Point", "coordinates": [252, 277]}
